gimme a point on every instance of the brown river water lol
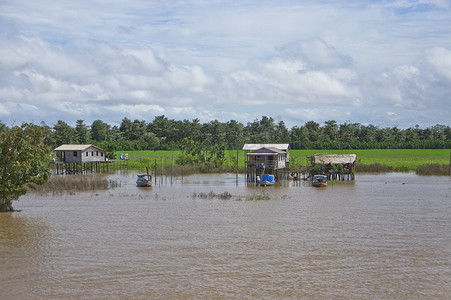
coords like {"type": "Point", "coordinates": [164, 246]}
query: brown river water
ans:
{"type": "Point", "coordinates": [384, 236]}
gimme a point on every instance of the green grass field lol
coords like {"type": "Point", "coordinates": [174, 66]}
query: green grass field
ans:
{"type": "Point", "coordinates": [395, 159]}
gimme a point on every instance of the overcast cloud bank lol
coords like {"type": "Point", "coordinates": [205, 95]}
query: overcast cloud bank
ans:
{"type": "Point", "coordinates": [386, 63]}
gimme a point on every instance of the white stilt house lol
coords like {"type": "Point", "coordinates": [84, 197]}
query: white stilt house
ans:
{"type": "Point", "coordinates": [79, 153]}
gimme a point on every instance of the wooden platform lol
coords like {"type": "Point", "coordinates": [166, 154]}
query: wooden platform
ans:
{"type": "Point", "coordinates": [62, 168]}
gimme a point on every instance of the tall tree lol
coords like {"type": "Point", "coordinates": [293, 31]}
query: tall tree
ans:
{"type": "Point", "coordinates": [126, 129]}
{"type": "Point", "coordinates": [234, 134]}
{"type": "Point", "coordinates": [313, 131]}
{"type": "Point", "coordinates": [49, 136]}
{"type": "Point", "coordinates": [282, 135]}
{"type": "Point", "coordinates": [82, 132]}
{"type": "Point", "coordinates": [151, 140]}
{"type": "Point", "coordinates": [267, 129]}
{"type": "Point", "coordinates": [214, 131]}
{"type": "Point", "coordinates": [100, 131]}
{"type": "Point", "coordinates": [330, 130]}
{"type": "Point", "coordinates": [165, 130]}
{"type": "Point", "coordinates": [368, 134]}
{"type": "Point", "coordinates": [349, 132]}
{"type": "Point", "coordinates": [139, 129]}
{"type": "Point", "coordinates": [24, 161]}
{"type": "Point", "coordinates": [64, 134]}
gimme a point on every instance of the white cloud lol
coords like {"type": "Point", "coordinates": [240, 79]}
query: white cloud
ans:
{"type": "Point", "coordinates": [3, 110]}
{"type": "Point", "coordinates": [316, 54]}
{"type": "Point", "coordinates": [302, 115]}
{"type": "Point", "coordinates": [440, 60]}
{"type": "Point", "coordinates": [226, 59]}
{"type": "Point", "coordinates": [138, 111]}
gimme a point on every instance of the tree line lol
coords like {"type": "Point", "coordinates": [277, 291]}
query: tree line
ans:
{"type": "Point", "coordinates": [169, 134]}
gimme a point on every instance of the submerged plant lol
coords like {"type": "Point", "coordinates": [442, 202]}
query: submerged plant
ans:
{"type": "Point", "coordinates": [434, 169]}
{"type": "Point", "coordinates": [224, 196]}
{"type": "Point", "coordinates": [257, 197]}
{"type": "Point", "coordinates": [61, 184]}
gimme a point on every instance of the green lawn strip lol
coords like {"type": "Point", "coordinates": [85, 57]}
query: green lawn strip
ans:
{"type": "Point", "coordinates": [397, 159]}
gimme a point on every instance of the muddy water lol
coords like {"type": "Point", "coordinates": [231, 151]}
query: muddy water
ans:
{"type": "Point", "coordinates": [384, 236]}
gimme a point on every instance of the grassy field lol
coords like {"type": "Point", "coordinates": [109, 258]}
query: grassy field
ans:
{"type": "Point", "coordinates": [396, 159]}
{"type": "Point", "coordinates": [391, 159]}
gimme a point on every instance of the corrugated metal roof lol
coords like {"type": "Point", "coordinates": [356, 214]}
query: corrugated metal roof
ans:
{"type": "Point", "coordinates": [284, 147]}
{"type": "Point", "coordinates": [267, 151]}
{"type": "Point", "coordinates": [326, 158]}
{"type": "Point", "coordinates": [69, 147]}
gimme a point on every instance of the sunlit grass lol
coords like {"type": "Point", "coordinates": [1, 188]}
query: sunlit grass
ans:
{"type": "Point", "coordinates": [391, 159]}
{"type": "Point", "coordinates": [394, 159]}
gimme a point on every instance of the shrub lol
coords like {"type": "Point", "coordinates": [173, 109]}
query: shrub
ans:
{"type": "Point", "coordinates": [433, 169]}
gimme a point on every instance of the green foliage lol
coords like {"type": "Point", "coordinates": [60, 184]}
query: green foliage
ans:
{"type": "Point", "coordinates": [24, 161]}
{"type": "Point", "coordinates": [197, 153]}
{"type": "Point", "coordinates": [166, 134]}
{"type": "Point", "coordinates": [257, 197]}
{"type": "Point", "coordinates": [211, 195]}
{"type": "Point", "coordinates": [63, 133]}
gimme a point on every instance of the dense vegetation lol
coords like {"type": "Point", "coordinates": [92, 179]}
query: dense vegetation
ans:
{"type": "Point", "coordinates": [166, 134]}
{"type": "Point", "coordinates": [24, 161]}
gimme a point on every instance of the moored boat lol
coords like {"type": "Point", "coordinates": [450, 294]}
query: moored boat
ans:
{"type": "Point", "coordinates": [144, 180]}
{"type": "Point", "coordinates": [267, 180]}
{"type": "Point", "coordinates": [319, 181]}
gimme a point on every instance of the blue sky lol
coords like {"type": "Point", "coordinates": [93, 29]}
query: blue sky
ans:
{"type": "Point", "coordinates": [386, 63]}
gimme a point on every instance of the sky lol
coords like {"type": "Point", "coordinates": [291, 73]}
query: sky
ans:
{"type": "Point", "coordinates": [386, 63]}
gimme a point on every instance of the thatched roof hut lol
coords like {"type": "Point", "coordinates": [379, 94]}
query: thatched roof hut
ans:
{"type": "Point", "coordinates": [326, 158]}
{"type": "Point", "coordinates": [334, 166]}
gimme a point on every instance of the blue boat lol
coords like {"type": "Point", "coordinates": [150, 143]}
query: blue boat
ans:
{"type": "Point", "coordinates": [267, 180]}
{"type": "Point", "coordinates": [144, 180]}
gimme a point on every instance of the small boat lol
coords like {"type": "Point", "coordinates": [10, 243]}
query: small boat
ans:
{"type": "Point", "coordinates": [267, 180]}
{"type": "Point", "coordinates": [319, 181]}
{"type": "Point", "coordinates": [144, 180]}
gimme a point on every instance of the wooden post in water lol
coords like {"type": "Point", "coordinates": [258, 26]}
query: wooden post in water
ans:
{"type": "Point", "coordinates": [155, 171]}
{"type": "Point", "coordinates": [166, 178]}
{"type": "Point", "coordinates": [237, 158]}
{"type": "Point", "coordinates": [172, 162]}
{"type": "Point", "coordinates": [236, 171]}
{"type": "Point", "coordinates": [162, 170]}
{"type": "Point", "coordinates": [449, 167]}
{"type": "Point", "coordinates": [148, 175]}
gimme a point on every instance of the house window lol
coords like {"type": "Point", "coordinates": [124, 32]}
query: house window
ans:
{"type": "Point", "coordinates": [92, 153]}
{"type": "Point", "coordinates": [87, 153]}
{"type": "Point", "coordinates": [75, 153]}
{"type": "Point", "coordinates": [101, 153]}
{"type": "Point", "coordinates": [97, 153]}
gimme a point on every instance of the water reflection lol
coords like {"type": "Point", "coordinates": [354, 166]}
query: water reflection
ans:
{"type": "Point", "coordinates": [384, 236]}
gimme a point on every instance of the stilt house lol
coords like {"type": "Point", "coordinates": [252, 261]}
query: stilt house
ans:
{"type": "Point", "coordinates": [266, 159]}
{"type": "Point", "coordinates": [79, 153]}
